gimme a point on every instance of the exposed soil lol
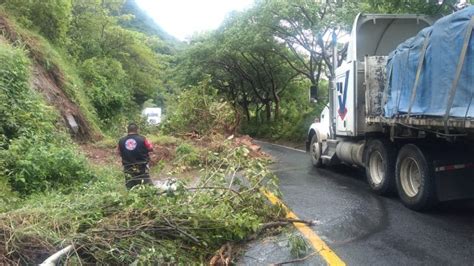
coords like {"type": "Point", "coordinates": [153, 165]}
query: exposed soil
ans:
{"type": "Point", "coordinates": [104, 156]}
{"type": "Point", "coordinates": [101, 156]}
{"type": "Point", "coordinates": [247, 141]}
{"type": "Point", "coordinates": [109, 156]}
{"type": "Point", "coordinates": [46, 83]}
{"type": "Point", "coordinates": [161, 153]}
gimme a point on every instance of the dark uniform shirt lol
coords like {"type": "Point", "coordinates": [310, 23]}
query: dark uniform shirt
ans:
{"type": "Point", "coordinates": [134, 149]}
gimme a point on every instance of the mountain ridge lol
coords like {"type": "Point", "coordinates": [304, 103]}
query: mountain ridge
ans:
{"type": "Point", "coordinates": [142, 22]}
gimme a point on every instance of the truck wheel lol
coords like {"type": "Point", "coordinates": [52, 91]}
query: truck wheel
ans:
{"type": "Point", "coordinates": [380, 156]}
{"type": "Point", "coordinates": [415, 178]}
{"type": "Point", "coordinates": [315, 151]}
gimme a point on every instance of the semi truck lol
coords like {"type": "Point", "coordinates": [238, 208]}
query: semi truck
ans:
{"type": "Point", "coordinates": [401, 107]}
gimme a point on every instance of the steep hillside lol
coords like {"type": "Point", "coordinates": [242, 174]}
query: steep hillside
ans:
{"type": "Point", "coordinates": [50, 80]}
{"type": "Point", "coordinates": [94, 59]}
{"type": "Point", "coordinates": [70, 73]}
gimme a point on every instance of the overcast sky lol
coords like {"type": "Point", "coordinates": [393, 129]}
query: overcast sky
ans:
{"type": "Point", "coordinates": [181, 18]}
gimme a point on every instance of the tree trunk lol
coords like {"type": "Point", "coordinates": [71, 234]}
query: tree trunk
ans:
{"type": "Point", "coordinates": [277, 109]}
{"type": "Point", "coordinates": [247, 112]}
{"type": "Point", "coordinates": [257, 113]}
{"type": "Point", "coordinates": [268, 110]}
{"type": "Point", "coordinates": [276, 99]}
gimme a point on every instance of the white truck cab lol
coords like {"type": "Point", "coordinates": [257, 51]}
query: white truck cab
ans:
{"type": "Point", "coordinates": [372, 37]}
{"type": "Point", "coordinates": [406, 153]}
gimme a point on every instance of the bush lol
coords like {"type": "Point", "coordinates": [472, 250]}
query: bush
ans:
{"type": "Point", "coordinates": [199, 110]}
{"type": "Point", "coordinates": [8, 198]}
{"type": "Point", "coordinates": [50, 17]}
{"type": "Point", "coordinates": [187, 155]}
{"type": "Point", "coordinates": [38, 163]}
{"type": "Point", "coordinates": [106, 87]}
{"type": "Point", "coordinates": [298, 246]}
{"type": "Point", "coordinates": [34, 154]}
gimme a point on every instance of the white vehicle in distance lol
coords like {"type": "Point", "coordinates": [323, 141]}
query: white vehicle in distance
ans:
{"type": "Point", "coordinates": [153, 115]}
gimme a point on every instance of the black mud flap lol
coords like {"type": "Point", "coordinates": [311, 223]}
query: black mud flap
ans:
{"type": "Point", "coordinates": [454, 181]}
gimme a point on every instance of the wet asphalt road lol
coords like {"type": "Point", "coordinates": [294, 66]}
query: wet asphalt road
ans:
{"type": "Point", "coordinates": [363, 228]}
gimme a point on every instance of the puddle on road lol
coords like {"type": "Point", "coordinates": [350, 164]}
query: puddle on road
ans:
{"type": "Point", "coordinates": [275, 249]}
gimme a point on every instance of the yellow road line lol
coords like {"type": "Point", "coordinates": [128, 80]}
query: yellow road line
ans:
{"type": "Point", "coordinates": [328, 255]}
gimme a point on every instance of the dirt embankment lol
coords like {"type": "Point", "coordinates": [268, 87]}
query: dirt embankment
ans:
{"type": "Point", "coordinates": [50, 83]}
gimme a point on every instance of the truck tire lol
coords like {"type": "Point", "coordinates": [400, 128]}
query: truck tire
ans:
{"type": "Point", "coordinates": [315, 150]}
{"type": "Point", "coordinates": [380, 157]}
{"type": "Point", "coordinates": [415, 178]}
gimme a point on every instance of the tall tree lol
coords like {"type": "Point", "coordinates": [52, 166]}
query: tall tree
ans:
{"type": "Point", "coordinates": [242, 58]}
{"type": "Point", "coordinates": [96, 33]}
{"type": "Point", "coordinates": [306, 26]}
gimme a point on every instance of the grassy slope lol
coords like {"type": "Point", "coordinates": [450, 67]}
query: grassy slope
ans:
{"type": "Point", "coordinates": [34, 110]}
{"type": "Point", "coordinates": [59, 71]}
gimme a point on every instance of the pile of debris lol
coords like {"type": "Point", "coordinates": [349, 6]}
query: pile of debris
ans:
{"type": "Point", "coordinates": [249, 143]}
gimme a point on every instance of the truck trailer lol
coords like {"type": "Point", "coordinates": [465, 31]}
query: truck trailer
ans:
{"type": "Point", "coordinates": [401, 106]}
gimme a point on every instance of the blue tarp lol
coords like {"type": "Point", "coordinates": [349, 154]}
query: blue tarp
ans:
{"type": "Point", "coordinates": [438, 72]}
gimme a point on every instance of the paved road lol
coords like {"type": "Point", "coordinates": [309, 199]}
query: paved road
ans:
{"type": "Point", "coordinates": [366, 229]}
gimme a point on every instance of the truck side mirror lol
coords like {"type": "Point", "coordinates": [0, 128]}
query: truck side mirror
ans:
{"type": "Point", "coordinates": [313, 93]}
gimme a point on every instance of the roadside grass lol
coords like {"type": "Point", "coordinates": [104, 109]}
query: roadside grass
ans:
{"type": "Point", "coordinates": [106, 143]}
{"type": "Point", "coordinates": [156, 139]}
{"type": "Point", "coordinates": [8, 198]}
{"type": "Point", "coordinates": [164, 140]}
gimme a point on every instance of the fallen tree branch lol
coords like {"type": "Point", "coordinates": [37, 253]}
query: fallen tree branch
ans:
{"type": "Point", "coordinates": [217, 188]}
{"type": "Point", "coordinates": [279, 223]}
{"type": "Point", "coordinates": [289, 220]}
{"type": "Point", "coordinates": [183, 232]}
{"type": "Point", "coordinates": [264, 227]}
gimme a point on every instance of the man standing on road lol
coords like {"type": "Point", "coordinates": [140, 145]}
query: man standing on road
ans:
{"type": "Point", "coordinates": [134, 150]}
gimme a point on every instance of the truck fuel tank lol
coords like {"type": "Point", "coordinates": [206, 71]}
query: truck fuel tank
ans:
{"type": "Point", "coordinates": [351, 152]}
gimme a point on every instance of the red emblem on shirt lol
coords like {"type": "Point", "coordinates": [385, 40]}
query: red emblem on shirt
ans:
{"type": "Point", "coordinates": [130, 144]}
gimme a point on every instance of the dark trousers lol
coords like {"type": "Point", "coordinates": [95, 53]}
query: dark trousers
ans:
{"type": "Point", "coordinates": [136, 174]}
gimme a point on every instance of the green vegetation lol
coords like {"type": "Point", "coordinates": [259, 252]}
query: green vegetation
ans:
{"type": "Point", "coordinates": [118, 68]}
{"type": "Point", "coordinates": [85, 68]}
{"type": "Point", "coordinates": [109, 225]}
{"type": "Point", "coordinates": [187, 155]}
{"type": "Point", "coordinates": [298, 246]}
{"type": "Point", "coordinates": [200, 110]}
{"type": "Point", "coordinates": [163, 140]}
{"type": "Point", "coordinates": [51, 18]}
{"type": "Point", "coordinates": [34, 155]}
